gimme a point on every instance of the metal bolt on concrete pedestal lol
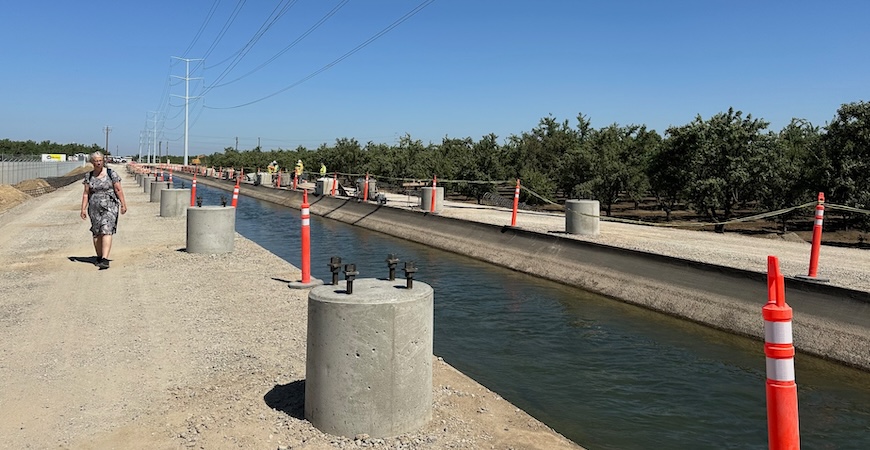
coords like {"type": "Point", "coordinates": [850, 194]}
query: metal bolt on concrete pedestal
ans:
{"type": "Point", "coordinates": [409, 269]}
{"type": "Point", "coordinates": [350, 273]}
{"type": "Point", "coordinates": [334, 267]}
{"type": "Point", "coordinates": [392, 262]}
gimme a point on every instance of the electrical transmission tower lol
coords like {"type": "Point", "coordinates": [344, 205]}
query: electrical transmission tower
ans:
{"type": "Point", "coordinates": [107, 129]}
{"type": "Point", "coordinates": [153, 150]}
{"type": "Point", "coordinates": [186, 97]}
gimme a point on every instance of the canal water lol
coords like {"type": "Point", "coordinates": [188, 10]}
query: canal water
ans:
{"type": "Point", "coordinates": [605, 374]}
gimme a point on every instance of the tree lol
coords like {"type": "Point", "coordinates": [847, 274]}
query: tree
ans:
{"type": "Point", "coordinates": [725, 162]}
{"type": "Point", "coordinates": [643, 145]}
{"type": "Point", "coordinates": [670, 166]}
{"type": "Point", "coordinates": [347, 157]}
{"type": "Point", "coordinates": [846, 160]}
{"type": "Point", "coordinates": [576, 168]}
{"type": "Point", "coordinates": [383, 161]}
{"type": "Point", "coordinates": [409, 155]}
{"type": "Point", "coordinates": [482, 162]}
{"type": "Point", "coordinates": [538, 157]}
{"type": "Point", "coordinates": [616, 160]}
{"type": "Point", "coordinates": [790, 172]}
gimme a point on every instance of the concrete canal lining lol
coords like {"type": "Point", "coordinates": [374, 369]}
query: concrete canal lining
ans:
{"type": "Point", "coordinates": [829, 322]}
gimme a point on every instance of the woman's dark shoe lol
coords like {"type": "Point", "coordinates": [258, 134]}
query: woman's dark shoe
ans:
{"type": "Point", "coordinates": [103, 263]}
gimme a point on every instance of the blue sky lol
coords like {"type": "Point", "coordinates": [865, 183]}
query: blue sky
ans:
{"type": "Point", "coordinates": [456, 68]}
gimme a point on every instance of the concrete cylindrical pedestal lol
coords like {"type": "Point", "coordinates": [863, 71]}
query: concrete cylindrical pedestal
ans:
{"type": "Point", "coordinates": [265, 178]}
{"type": "Point", "coordinates": [211, 229]}
{"type": "Point", "coordinates": [426, 199]}
{"type": "Point", "coordinates": [582, 217]}
{"type": "Point", "coordinates": [139, 179]}
{"type": "Point", "coordinates": [369, 358]}
{"type": "Point", "coordinates": [146, 184]}
{"type": "Point", "coordinates": [174, 202]}
{"type": "Point", "coordinates": [156, 188]}
{"type": "Point", "coordinates": [286, 179]}
{"type": "Point", "coordinates": [323, 186]}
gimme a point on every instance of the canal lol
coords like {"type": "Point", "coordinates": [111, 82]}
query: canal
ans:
{"type": "Point", "coordinates": [605, 374]}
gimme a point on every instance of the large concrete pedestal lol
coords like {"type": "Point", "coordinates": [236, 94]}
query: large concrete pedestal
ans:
{"type": "Point", "coordinates": [157, 187]}
{"type": "Point", "coordinates": [369, 360]}
{"type": "Point", "coordinates": [323, 186]}
{"type": "Point", "coordinates": [211, 229]}
{"type": "Point", "coordinates": [174, 202]}
{"type": "Point", "coordinates": [426, 199]}
{"type": "Point", "coordinates": [582, 217]}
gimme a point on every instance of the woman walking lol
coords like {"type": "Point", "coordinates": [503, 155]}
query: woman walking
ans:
{"type": "Point", "coordinates": [101, 201]}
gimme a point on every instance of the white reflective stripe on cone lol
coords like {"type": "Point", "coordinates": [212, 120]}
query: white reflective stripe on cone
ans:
{"type": "Point", "coordinates": [780, 369]}
{"type": "Point", "coordinates": [777, 332]}
{"type": "Point", "coordinates": [305, 222]}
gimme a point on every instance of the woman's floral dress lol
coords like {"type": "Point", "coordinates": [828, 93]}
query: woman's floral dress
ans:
{"type": "Point", "coordinates": [103, 204]}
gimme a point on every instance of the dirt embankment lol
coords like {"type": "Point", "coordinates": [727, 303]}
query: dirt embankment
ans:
{"type": "Point", "coordinates": [13, 195]}
{"type": "Point", "coordinates": [10, 196]}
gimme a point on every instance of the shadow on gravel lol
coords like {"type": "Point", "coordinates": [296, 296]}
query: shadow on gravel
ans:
{"type": "Point", "coordinates": [288, 398]}
{"type": "Point", "coordinates": [84, 259]}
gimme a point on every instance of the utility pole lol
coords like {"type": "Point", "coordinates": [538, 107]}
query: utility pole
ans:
{"type": "Point", "coordinates": [154, 141]}
{"type": "Point", "coordinates": [258, 143]}
{"type": "Point", "coordinates": [187, 98]}
{"type": "Point", "coordinates": [140, 146]}
{"type": "Point", "coordinates": [237, 143]}
{"type": "Point", "coordinates": [107, 129]}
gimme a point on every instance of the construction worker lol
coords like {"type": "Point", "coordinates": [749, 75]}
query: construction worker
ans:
{"type": "Point", "coordinates": [322, 170]}
{"type": "Point", "coordinates": [299, 168]}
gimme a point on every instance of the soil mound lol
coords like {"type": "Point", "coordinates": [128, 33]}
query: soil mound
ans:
{"type": "Point", "coordinates": [9, 197]}
{"type": "Point", "coordinates": [80, 170]}
{"type": "Point", "coordinates": [792, 237]}
{"type": "Point", "coordinates": [30, 185]}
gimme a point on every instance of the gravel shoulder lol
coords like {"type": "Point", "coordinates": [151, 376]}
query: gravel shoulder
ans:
{"type": "Point", "coordinates": [169, 350]}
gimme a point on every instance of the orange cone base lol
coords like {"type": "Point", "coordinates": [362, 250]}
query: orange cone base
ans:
{"type": "Point", "coordinates": [809, 278]}
{"type": "Point", "coordinates": [298, 284]}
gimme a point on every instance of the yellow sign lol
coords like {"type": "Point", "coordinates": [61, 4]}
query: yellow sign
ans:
{"type": "Point", "coordinates": [195, 161]}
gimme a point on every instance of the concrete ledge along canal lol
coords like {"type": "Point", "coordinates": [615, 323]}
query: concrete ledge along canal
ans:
{"type": "Point", "coordinates": [601, 372]}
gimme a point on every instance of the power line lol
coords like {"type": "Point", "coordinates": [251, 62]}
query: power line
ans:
{"type": "Point", "coordinates": [224, 29]}
{"type": "Point", "coordinates": [339, 59]}
{"type": "Point", "coordinates": [287, 48]}
{"type": "Point", "coordinates": [238, 55]}
{"type": "Point", "coordinates": [202, 27]}
{"type": "Point", "coordinates": [276, 14]}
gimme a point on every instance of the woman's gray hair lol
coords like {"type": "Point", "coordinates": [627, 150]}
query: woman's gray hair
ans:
{"type": "Point", "coordinates": [96, 154]}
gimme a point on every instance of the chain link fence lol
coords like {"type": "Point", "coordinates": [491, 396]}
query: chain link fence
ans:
{"type": "Point", "coordinates": [14, 172]}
